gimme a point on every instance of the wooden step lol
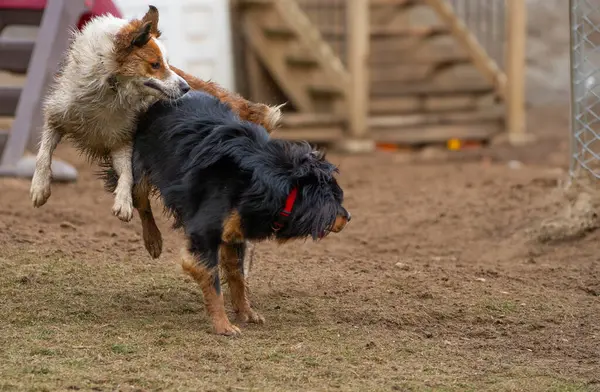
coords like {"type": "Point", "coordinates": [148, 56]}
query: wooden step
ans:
{"type": "Point", "coordinates": [15, 54]}
{"type": "Point", "coordinates": [9, 99]}
{"type": "Point", "coordinates": [278, 32]}
{"type": "Point", "coordinates": [425, 89]}
{"type": "Point", "coordinates": [385, 105]}
{"type": "Point", "coordinates": [397, 50]}
{"type": "Point", "coordinates": [434, 134]}
{"type": "Point", "coordinates": [324, 90]}
{"type": "Point", "coordinates": [337, 32]}
{"type": "Point", "coordinates": [299, 56]}
{"type": "Point", "coordinates": [298, 120]}
{"type": "Point", "coordinates": [466, 117]}
{"type": "Point", "coordinates": [316, 128]}
{"type": "Point", "coordinates": [301, 60]}
{"type": "Point", "coordinates": [403, 3]}
{"type": "Point", "coordinates": [325, 4]}
{"type": "Point", "coordinates": [381, 60]}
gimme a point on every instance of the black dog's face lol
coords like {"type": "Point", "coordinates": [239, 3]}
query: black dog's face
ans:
{"type": "Point", "coordinates": [319, 208]}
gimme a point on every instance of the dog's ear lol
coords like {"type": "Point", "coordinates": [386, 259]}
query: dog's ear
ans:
{"type": "Point", "coordinates": [319, 154]}
{"type": "Point", "coordinates": [142, 35]}
{"type": "Point", "coordinates": [314, 165]}
{"type": "Point", "coordinates": [152, 17]}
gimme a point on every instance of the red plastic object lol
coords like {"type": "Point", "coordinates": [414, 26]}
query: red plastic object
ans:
{"type": "Point", "coordinates": [23, 4]}
{"type": "Point", "coordinates": [99, 7]}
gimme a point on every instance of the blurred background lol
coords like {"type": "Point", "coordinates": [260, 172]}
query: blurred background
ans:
{"type": "Point", "coordinates": [382, 73]}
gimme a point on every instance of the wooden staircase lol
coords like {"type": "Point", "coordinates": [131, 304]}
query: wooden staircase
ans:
{"type": "Point", "coordinates": [425, 86]}
{"type": "Point", "coordinates": [429, 79]}
{"type": "Point", "coordinates": [294, 53]}
{"type": "Point", "coordinates": [283, 44]}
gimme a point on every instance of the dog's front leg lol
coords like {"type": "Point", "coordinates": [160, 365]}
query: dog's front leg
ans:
{"type": "Point", "coordinates": [203, 267]}
{"type": "Point", "coordinates": [123, 205]}
{"type": "Point", "coordinates": [232, 261]}
{"type": "Point", "coordinates": [42, 176]}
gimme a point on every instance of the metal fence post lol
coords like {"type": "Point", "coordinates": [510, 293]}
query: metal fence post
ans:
{"type": "Point", "coordinates": [585, 87]}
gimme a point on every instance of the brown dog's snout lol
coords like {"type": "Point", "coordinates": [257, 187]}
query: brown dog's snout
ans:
{"type": "Point", "coordinates": [348, 216]}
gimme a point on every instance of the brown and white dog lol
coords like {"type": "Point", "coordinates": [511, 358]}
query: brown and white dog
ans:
{"type": "Point", "coordinates": [114, 70]}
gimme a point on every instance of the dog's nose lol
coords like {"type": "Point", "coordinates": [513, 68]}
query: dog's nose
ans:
{"type": "Point", "coordinates": [184, 87]}
{"type": "Point", "coordinates": [349, 216]}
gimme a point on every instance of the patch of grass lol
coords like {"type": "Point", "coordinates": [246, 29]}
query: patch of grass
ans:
{"type": "Point", "coordinates": [276, 356]}
{"type": "Point", "coordinates": [311, 362]}
{"type": "Point", "coordinates": [85, 315]}
{"type": "Point", "coordinates": [43, 351]}
{"type": "Point", "coordinates": [563, 386]}
{"type": "Point", "coordinates": [39, 370]}
{"type": "Point", "coordinates": [45, 334]}
{"type": "Point", "coordinates": [503, 307]}
{"type": "Point", "coordinates": [123, 349]}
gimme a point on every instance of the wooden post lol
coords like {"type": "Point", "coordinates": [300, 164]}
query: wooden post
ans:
{"type": "Point", "coordinates": [516, 20]}
{"type": "Point", "coordinates": [357, 42]}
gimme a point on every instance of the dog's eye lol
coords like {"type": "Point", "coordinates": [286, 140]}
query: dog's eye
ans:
{"type": "Point", "coordinates": [155, 65]}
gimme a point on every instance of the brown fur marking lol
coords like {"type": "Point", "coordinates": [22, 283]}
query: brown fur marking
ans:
{"type": "Point", "coordinates": [213, 301]}
{"type": "Point", "coordinates": [339, 224]}
{"type": "Point", "coordinates": [232, 229]}
{"type": "Point", "coordinates": [135, 61]}
{"type": "Point", "coordinates": [232, 267]}
{"type": "Point", "coordinates": [152, 17]}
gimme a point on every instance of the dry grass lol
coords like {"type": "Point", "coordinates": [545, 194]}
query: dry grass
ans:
{"type": "Point", "coordinates": [431, 288]}
{"type": "Point", "coordinates": [77, 325]}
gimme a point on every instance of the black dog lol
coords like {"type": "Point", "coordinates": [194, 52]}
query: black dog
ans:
{"type": "Point", "coordinates": [225, 181]}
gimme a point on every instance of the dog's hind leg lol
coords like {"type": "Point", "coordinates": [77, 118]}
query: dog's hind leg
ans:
{"type": "Point", "coordinates": [42, 176]}
{"type": "Point", "coordinates": [203, 267]}
{"type": "Point", "coordinates": [232, 262]}
{"type": "Point", "coordinates": [150, 232]}
{"type": "Point", "coordinates": [121, 160]}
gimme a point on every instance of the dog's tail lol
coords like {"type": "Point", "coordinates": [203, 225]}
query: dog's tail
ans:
{"type": "Point", "coordinates": [272, 117]}
{"type": "Point", "coordinates": [108, 174]}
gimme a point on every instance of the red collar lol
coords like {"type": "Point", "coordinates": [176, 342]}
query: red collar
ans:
{"type": "Point", "coordinates": [287, 210]}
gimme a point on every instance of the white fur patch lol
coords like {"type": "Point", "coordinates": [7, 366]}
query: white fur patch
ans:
{"type": "Point", "coordinates": [97, 39]}
{"type": "Point", "coordinates": [173, 79]}
{"type": "Point", "coordinates": [163, 51]}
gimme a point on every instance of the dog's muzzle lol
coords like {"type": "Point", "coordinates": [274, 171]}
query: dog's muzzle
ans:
{"type": "Point", "coordinates": [184, 87]}
{"type": "Point", "coordinates": [342, 219]}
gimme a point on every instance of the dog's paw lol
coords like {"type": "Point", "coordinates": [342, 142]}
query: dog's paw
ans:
{"type": "Point", "coordinates": [250, 316]}
{"type": "Point", "coordinates": [153, 243]}
{"type": "Point", "coordinates": [40, 191]}
{"type": "Point", "coordinates": [123, 209]}
{"type": "Point", "coordinates": [227, 329]}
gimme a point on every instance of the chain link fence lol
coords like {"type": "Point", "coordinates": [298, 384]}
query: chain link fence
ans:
{"type": "Point", "coordinates": [486, 20]}
{"type": "Point", "coordinates": [585, 87]}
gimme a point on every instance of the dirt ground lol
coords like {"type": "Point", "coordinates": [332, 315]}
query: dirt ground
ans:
{"type": "Point", "coordinates": [435, 285]}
